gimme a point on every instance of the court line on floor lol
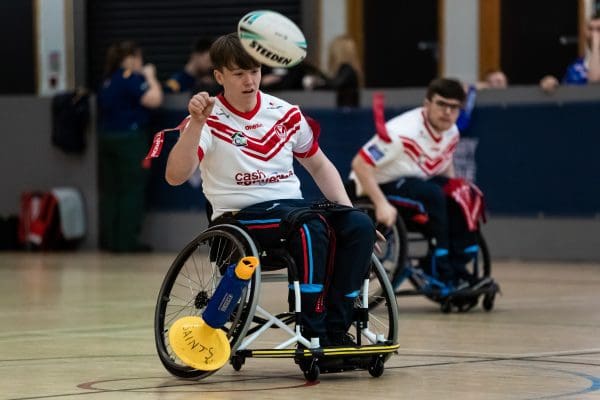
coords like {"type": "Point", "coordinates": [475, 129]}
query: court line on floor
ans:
{"type": "Point", "coordinates": [535, 358]}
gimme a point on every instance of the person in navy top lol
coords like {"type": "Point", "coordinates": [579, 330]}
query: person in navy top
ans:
{"type": "Point", "coordinates": [196, 75]}
{"type": "Point", "coordinates": [585, 69]}
{"type": "Point", "coordinates": [125, 98]}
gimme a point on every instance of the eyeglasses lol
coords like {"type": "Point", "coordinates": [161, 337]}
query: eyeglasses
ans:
{"type": "Point", "coordinates": [444, 104]}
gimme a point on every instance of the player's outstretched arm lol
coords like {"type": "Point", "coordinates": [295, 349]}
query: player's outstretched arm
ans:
{"type": "Point", "coordinates": [183, 159]}
{"type": "Point", "coordinates": [385, 213]}
{"type": "Point", "coordinates": [327, 177]}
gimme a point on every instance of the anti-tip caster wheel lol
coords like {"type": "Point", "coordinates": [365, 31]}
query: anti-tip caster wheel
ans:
{"type": "Point", "coordinates": [237, 362]}
{"type": "Point", "coordinates": [446, 306]}
{"type": "Point", "coordinates": [376, 367]}
{"type": "Point", "coordinates": [488, 301]}
{"type": "Point", "coordinates": [312, 373]}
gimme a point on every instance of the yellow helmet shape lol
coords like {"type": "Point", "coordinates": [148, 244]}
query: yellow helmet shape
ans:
{"type": "Point", "coordinates": [198, 345]}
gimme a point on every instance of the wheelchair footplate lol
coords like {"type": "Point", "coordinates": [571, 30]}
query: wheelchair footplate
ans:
{"type": "Point", "coordinates": [331, 359]}
{"type": "Point", "coordinates": [468, 298]}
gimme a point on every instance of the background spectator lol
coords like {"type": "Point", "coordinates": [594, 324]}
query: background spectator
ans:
{"type": "Point", "coordinates": [196, 74]}
{"type": "Point", "coordinates": [493, 79]}
{"type": "Point", "coordinates": [344, 72]}
{"type": "Point", "coordinates": [585, 69]}
{"type": "Point", "coordinates": [130, 89]}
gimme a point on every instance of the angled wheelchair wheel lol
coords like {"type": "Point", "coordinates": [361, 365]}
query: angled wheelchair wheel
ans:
{"type": "Point", "coordinates": [383, 309]}
{"type": "Point", "coordinates": [392, 254]}
{"type": "Point", "coordinates": [483, 259]}
{"type": "Point", "coordinates": [190, 283]}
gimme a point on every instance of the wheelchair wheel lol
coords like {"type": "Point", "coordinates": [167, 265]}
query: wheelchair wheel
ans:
{"type": "Point", "coordinates": [392, 254]}
{"type": "Point", "coordinates": [383, 309]}
{"type": "Point", "coordinates": [190, 283]}
{"type": "Point", "coordinates": [483, 259]}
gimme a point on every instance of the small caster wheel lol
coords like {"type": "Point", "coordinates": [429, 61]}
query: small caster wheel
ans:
{"type": "Point", "coordinates": [376, 367]}
{"type": "Point", "coordinates": [488, 302]}
{"type": "Point", "coordinates": [446, 306]}
{"type": "Point", "coordinates": [237, 362]}
{"type": "Point", "coordinates": [312, 373]}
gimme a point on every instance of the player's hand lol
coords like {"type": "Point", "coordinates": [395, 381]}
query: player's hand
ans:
{"type": "Point", "coordinates": [200, 106]}
{"type": "Point", "coordinates": [386, 214]}
{"type": "Point", "coordinates": [149, 71]}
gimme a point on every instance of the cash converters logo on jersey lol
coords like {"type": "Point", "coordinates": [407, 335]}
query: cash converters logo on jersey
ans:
{"type": "Point", "coordinates": [259, 177]}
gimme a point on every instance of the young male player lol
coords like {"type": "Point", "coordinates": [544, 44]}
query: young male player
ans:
{"type": "Point", "coordinates": [411, 160]}
{"type": "Point", "coordinates": [245, 142]}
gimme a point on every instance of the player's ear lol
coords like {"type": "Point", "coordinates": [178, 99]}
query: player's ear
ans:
{"type": "Point", "coordinates": [426, 103]}
{"type": "Point", "coordinates": [218, 76]}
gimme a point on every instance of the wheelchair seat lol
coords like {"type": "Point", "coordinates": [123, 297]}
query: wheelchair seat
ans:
{"type": "Point", "coordinates": [196, 272]}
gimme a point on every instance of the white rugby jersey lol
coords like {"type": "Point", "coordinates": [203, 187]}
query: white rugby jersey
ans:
{"type": "Point", "coordinates": [413, 149]}
{"type": "Point", "coordinates": [247, 158]}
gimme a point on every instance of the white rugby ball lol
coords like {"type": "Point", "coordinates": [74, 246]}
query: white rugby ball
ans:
{"type": "Point", "coordinates": [272, 39]}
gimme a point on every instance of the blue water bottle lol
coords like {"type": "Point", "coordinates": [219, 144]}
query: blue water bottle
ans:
{"type": "Point", "coordinates": [227, 294]}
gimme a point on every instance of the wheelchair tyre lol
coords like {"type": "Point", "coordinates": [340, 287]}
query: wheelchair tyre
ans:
{"type": "Point", "coordinates": [383, 309]}
{"type": "Point", "coordinates": [394, 251]}
{"type": "Point", "coordinates": [191, 281]}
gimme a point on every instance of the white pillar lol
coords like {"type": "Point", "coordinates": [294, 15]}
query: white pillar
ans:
{"type": "Point", "coordinates": [461, 34]}
{"type": "Point", "coordinates": [54, 21]}
{"type": "Point", "coordinates": [333, 23]}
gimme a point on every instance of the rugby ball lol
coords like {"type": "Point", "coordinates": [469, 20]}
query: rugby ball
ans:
{"type": "Point", "coordinates": [272, 38]}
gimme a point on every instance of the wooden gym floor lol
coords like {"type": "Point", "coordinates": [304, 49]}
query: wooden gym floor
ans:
{"type": "Point", "coordinates": [79, 326]}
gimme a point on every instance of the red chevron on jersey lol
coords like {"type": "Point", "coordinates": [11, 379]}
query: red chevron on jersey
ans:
{"type": "Point", "coordinates": [291, 117]}
{"type": "Point", "coordinates": [268, 145]}
{"type": "Point", "coordinates": [428, 164]}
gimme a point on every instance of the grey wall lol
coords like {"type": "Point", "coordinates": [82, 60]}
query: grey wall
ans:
{"type": "Point", "coordinates": [549, 239]}
{"type": "Point", "coordinates": [28, 161]}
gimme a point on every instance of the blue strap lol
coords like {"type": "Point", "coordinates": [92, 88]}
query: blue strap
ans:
{"type": "Point", "coordinates": [308, 288]}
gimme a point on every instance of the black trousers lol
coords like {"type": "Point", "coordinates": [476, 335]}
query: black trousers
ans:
{"type": "Point", "coordinates": [446, 221]}
{"type": "Point", "coordinates": [331, 249]}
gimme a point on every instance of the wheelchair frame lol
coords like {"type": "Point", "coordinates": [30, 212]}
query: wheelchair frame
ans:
{"type": "Point", "coordinates": [401, 265]}
{"type": "Point", "coordinates": [195, 273]}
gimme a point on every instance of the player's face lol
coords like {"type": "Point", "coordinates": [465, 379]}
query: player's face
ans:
{"type": "Point", "coordinates": [239, 83]}
{"type": "Point", "coordinates": [441, 112]}
{"type": "Point", "coordinates": [201, 63]}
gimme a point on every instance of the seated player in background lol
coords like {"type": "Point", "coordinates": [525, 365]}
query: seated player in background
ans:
{"type": "Point", "coordinates": [412, 158]}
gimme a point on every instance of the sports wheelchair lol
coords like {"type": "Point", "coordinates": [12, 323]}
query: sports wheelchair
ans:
{"type": "Point", "coordinates": [196, 272]}
{"type": "Point", "coordinates": [406, 256]}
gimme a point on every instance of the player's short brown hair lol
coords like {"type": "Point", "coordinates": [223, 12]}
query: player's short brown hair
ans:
{"type": "Point", "coordinates": [448, 88]}
{"type": "Point", "coordinates": [227, 51]}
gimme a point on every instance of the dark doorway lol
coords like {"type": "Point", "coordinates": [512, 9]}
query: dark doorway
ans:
{"type": "Point", "coordinates": [16, 30]}
{"type": "Point", "coordinates": [402, 39]}
{"type": "Point", "coordinates": [537, 38]}
{"type": "Point", "coordinates": [166, 29]}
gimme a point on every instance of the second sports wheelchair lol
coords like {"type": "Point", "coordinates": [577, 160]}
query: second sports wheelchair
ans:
{"type": "Point", "coordinates": [406, 257]}
{"type": "Point", "coordinates": [196, 272]}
